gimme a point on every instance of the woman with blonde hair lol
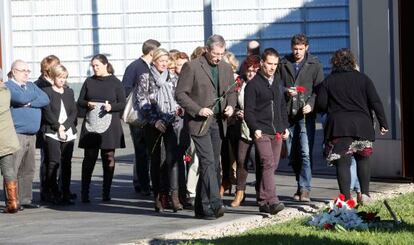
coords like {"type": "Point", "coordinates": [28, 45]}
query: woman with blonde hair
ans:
{"type": "Point", "coordinates": [59, 129]}
{"type": "Point", "coordinates": [160, 112]}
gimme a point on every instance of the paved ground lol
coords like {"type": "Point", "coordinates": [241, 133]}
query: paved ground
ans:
{"type": "Point", "coordinates": [129, 216]}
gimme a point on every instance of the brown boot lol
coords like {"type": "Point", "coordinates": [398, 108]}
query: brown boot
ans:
{"type": "Point", "coordinates": [11, 194]}
{"type": "Point", "coordinates": [238, 199]}
{"type": "Point", "coordinates": [157, 204]}
{"type": "Point", "coordinates": [225, 185]}
{"type": "Point", "coordinates": [176, 205]}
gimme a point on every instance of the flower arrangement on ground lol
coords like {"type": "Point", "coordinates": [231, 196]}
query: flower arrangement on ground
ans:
{"type": "Point", "coordinates": [342, 215]}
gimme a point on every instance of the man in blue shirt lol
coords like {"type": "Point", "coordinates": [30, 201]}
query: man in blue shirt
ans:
{"type": "Point", "coordinates": [26, 103]}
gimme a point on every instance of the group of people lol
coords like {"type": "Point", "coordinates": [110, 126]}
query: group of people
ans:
{"type": "Point", "coordinates": [197, 118]}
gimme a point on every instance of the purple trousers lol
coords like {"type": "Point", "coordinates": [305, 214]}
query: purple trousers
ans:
{"type": "Point", "coordinates": [269, 148]}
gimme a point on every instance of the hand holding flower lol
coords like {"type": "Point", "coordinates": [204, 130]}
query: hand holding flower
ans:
{"type": "Point", "coordinates": [383, 131]}
{"type": "Point", "coordinates": [205, 112]}
{"type": "Point", "coordinates": [258, 134]}
{"type": "Point", "coordinates": [285, 135]}
{"type": "Point", "coordinates": [160, 126]}
{"type": "Point", "coordinates": [228, 112]}
{"type": "Point", "coordinates": [306, 109]}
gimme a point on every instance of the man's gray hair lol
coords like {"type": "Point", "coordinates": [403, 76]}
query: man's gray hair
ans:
{"type": "Point", "coordinates": [215, 40]}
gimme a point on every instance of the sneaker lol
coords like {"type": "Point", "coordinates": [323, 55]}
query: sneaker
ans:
{"type": "Point", "coordinates": [276, 208]}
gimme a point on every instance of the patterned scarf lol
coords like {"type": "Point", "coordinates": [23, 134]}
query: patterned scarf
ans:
{"type": "Point", "coordinates": [165, 94]}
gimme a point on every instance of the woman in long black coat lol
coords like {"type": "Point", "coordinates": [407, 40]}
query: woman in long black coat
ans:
{"type": "Point", "coordinates": [349, 98]}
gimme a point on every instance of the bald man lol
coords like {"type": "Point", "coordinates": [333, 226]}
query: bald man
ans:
{"type": "Point", "coordinates": [26, 104]}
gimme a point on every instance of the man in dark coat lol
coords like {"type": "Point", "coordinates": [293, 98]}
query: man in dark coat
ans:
{"type": "Point", "coordinates": [205, 91]}
{"type": "Point", "coordinates": [301, 72]}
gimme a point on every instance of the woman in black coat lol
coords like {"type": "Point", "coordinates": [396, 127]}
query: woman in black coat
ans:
{"type": "Point", "coordinates": [59, 130]}
{"type": "Point", "coordinates": [349, 98]}
{"type": "Point", "coordinates": [103, 96]}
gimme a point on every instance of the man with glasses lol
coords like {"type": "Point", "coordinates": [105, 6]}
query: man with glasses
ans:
{"type": "Point", "coordinates": [203, 91]}
{"type": "Point", "coordinates": [26, 103]}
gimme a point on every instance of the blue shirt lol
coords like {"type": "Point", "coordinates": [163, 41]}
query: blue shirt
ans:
{"type": "Point", "coordinates": [26, 103]}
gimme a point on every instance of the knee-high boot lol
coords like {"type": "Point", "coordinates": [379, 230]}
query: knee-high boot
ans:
{"type": "Point", "coordinates": [86, 181]}
{"type": "Point", "coordinates": [11, 194]}
{"type": "Point", "coordinates": [107, 182]}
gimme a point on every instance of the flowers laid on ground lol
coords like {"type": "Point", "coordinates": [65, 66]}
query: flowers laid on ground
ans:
{"type": "Point", "coordinates": [342, 215]}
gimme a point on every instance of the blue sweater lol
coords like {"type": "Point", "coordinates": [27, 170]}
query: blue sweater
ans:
{"type": "Point", "coordinates": [26, 106]}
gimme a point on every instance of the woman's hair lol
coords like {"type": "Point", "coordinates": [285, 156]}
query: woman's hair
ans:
{"type": "Point", "coordinates": [230, 58]}
{"type": "Point", "coordinates": [251, 60]}
{"type": "Point", "coordinates": [199, 51]}
{"type": "Point", "coordinates": [158, 53]}
{"type": "Point", "coordinates": [102, 58]}
{"type": "Point", "coordinates": [180, 55]}
{"type": "Point", "coordinates": [47, 63]}
{"type": "Point", "coordinates": [343, 60]}
{"type": "Point", "coordinates": [57, 71]}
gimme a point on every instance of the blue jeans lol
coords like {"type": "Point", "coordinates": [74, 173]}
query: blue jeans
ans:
{"type": "Point", "coordinates": [300, 146]}
{"type": "Point", "coordinates": [354, 177]}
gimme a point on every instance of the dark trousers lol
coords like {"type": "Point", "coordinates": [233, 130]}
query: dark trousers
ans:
{"type": "Point", "coordinates": [269, 149]}
{"type": "Point", "coordinates": [343, 173]}
{"type": "Point", "coordinates": [141, 167]}
{"type": "Point", "coordinates": [164, 174]}
{"type": "Point", "coordinates": [229, 147]}
{"type": "Point", "coordinates": [88, 164]}
{"type": "Point", "coordinates": [59, 155]}
{"type": "Point", "coordinates": [208, 149]}
{"type": "Point", "coordinates": [245, 148]}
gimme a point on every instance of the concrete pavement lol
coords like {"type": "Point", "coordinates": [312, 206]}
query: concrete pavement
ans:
{"type": "Point", "coordinates": [129, 216]}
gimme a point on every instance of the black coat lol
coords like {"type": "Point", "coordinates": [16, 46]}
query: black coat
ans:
{"type": "Point", "coordinates": [264, 106]}
{"type": "Point", "coordinates": [310, 75]}
{"type": "Point", "coordinates": [51, 112]}
{"type": "Point", "coordinates": [349, 97]}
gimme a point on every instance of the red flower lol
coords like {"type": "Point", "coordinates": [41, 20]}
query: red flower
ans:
{"type": "Point", "coordinates": [239, 83]}
{"type": "Point", "coordinates": [341, 197]}
{"type": "Point", "coordinates": [366, 152]}
{"type": "Point", "coordinates": [327, 226]}
{"type": "Point", "coordinates": [278, 136]}
{"type": "Point", "coordinates": [351, 203]}
{"type": "Point", "coordinates": [300, 89]}
{"type": "Point", "coordinates": [187, 158]}
{"type": "Point", "coordinates": [370, 216]}
{"type": "Point", "coordinates": [339, 205]}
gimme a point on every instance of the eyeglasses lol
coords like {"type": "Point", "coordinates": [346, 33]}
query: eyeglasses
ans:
{"type": "Point", "coordinates": [23, 70]}
{"type": "Point", "coordinates": [217, 54]}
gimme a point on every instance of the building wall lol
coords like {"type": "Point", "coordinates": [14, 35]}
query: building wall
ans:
{"type": "Point", "coordinates": [74, 30]}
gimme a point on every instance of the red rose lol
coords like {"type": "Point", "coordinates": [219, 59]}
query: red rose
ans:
{"type": "Point", "coordinates": [341, 197]}
{"type": "Point", "coordinates": [339, 205]}
{"type": "Point", "coordinates": [327, 226]}
{"type": "Point", "coordinates": [187, 158]}
{"type": "Point", "coordinates": [370, 216]}
{"type": "Point", "coordinates": [351, 203]}
{"type": "Point", "coordinates": [300, 89]}
{"type": "Point", "coordinates": [278, 136]}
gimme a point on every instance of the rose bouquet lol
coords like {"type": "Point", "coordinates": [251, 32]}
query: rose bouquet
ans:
{"type": "Point", "coordinates": [342, 215]}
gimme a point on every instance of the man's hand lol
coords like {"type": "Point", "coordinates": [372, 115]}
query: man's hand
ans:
{"type": "Point", "coordinates": [160, 126]}
{"type": "Point", "coordinates": [258, 134]}
{"type": "Point", "coordinates": [205, 112]}
{"type": "Point", "coordinates": [306, 109]}
{"type": "Point", "coordinates": [228, 111]}
{"type": "Point", "coordinates": [240, 114]}
{"type": "Point", "coordinates": [285, 135]}
{"type": "Point", "coordinates": [292, 91]}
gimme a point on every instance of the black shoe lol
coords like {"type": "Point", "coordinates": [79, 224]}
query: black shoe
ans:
{"type": "Point", "coordinates": [206, 217]}
{"type": "Point", "coordinates": [146, 192]}
{"type": "Point", "coordinates": [85, 199]}
{"type": "Point", "coordinates": [220, 211]}
{"type": "Point", "coordinates": [67, 202]}
{"type": "Point", "coordinates": [276, 208]}
{"type": "Point", "coordinates": [73, 196]}
{"type": "Point", "coordinates": [30, 206]}
{"type": "Point", "coordinates": [137, 189]}
{"type": "Point", "coordinates": [106, 198]}
{"type": "Point", "coordinates": [264, 208]}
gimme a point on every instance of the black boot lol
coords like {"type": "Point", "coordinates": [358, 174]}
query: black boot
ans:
{"type": "Point", "coordinates": [107, 182]}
